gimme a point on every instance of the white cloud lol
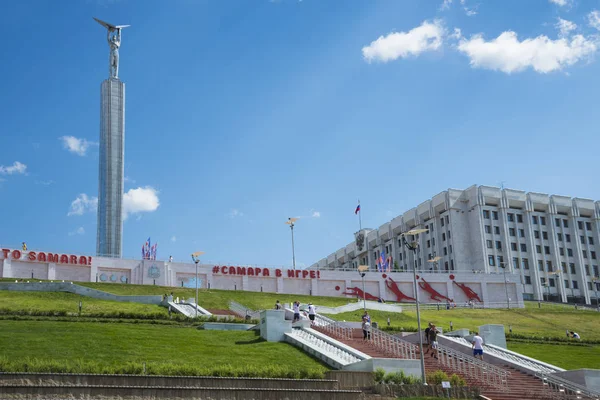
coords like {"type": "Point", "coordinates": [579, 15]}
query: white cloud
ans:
{"type": "Point", "coordinates": [507, 54]}
{"type": "Point", "coordinates": [594, 19]}
{"type": "Point", "coordinates": [83, 204]}
{"type": "Point", "coordinates": [426, 37]}
{"type": "Point", "coordinates": [78, 231]}
{"type": "Point", "coordinates": [561, 3]}
{"type": "Point", "coordinates": [235, 213]}
{"type": "Point", "coordinates": [470, 11]}
{"type": "Point", "coordinates": [142, 199]}
{"type": "Point", "coordinates": [173, 239]}
{"type": "Point", "coordinates": [446, 5]}
{"type": "Point", "coordinates": [76, 145]}
{"type": "Point", "coordinates": [564, 27]}
{"type": "Point", "coordinates": [316, 214]}
{"type": "Point", "coordinates": [16, 168]}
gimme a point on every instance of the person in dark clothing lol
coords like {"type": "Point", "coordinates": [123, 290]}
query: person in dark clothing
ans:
{"type": "Point", "coordinates": [433, 343]}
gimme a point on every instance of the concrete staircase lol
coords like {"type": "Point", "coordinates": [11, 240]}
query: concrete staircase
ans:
{"type": "Point", "coordinates": [69, 386]}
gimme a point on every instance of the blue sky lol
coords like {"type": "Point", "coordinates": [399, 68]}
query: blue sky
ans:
{"type": "Point", "coordinates": [240, 114]}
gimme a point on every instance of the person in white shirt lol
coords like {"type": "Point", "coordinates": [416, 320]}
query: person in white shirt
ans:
{"type": "Point", "coordinates": [478, 347]}
{"type": "Point", "coordinates": [575, 335]}
{"type": "Point", "coordinates": [296, 311]}
{"type": "Point", "coordinates": [312, 311]}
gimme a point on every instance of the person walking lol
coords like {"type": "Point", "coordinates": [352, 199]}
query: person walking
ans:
{"type": "Point", "coordinates": [312, 312]}
{"type": "Point", "coordinates": [427, 336]}
{"type": "Point", "coordinates": [277, 305]}
{"type": "Point", "coordinates": [296, 311]}
{"type": "Point", "coordinates": [433, 343]}
{"type": "Point", "coordinates": [366, 327]}
{"type": "Point", "coordinates": [477, 346]}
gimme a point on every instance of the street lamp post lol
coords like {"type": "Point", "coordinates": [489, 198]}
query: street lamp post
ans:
{"type": "Point", "coordinates": [196, 258]}
{"type": "Point", "coordinates": [290, 222]}
{"type": "Point", "coordinates": [596, 283]}
{"type": "Point", "coordinates": [362, 270]}
{"type": "Point", "coordinates": [503, 266]}
{"type": "Point", "coordinates": [413, 247]}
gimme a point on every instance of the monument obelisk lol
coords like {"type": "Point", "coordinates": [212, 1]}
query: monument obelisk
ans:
{"type": "Point", "coordinates": [112, 152]}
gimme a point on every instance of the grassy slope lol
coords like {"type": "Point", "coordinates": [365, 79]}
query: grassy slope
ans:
{"type": "Point", "coordinates": [116, 344]}
{"type": "Point", "coordinates": [564, 356]}
{"type": "Point", "coordinates": [69, 302]}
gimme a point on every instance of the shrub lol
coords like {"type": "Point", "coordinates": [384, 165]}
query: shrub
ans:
{"type": "Point", "coordinates": [437, 377]}
{"type": "Point", "coordinates": [456, 381]}
{"type": "Point", "coordinates": [395, 378]}
{"type": "Point", "coordinates": [379, 374]}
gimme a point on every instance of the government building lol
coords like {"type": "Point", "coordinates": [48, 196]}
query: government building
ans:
{"type": "Point", "coordinates": [549, 243]}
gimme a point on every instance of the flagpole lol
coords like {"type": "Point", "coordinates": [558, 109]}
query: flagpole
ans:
{"type": "Point", "coordinates": [359, 217]}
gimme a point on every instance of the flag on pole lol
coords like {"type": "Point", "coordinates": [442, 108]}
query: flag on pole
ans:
{"type": "Point", "coordinates": [357, 209]}
{"type": "Point", "coordinates": [143, 252]}
{"type": "Point", "coordinates": [382, 261]}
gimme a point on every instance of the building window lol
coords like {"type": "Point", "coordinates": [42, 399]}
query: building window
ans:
{"type": "Point", "coordinates": [486, 214]}
{"type": "Point", "coordinates": [450, 249]}
{"type": "Point", "coordinates": [488, 229]}
{"type": "Point", "coordinates": [549, 266]}
{"type": "Point", "coordinates": [559, 236]}
{"type": "Point", "coordinates": [584, 254]}
{"type": "Point", "coordinates": [430, 227]}
{"type": "Point", "coordinates": [495, 215]}
{"type": "Point", "coordinates": [575, 285]}
{"type": "Point", "coordinates": [515, 263]}
{"type": "Point", "coordinates": [520, 218]}
{"type": "Point", "coordinates": [449, 235]}
{"type": "Point", "coordinates": [523, 247]}
{"type": "Point", "coordinates": [489, 244]}
{"type": "Point", "coordinates": [557, 222]}
{"type": "Point", "coordinates": [500, 261]}
{"type": "Point", "coordinates": [546, 249]}
{"type": "Point", "coordinates": [536, 234]}
{"type": "Point", "coordinates": [543, 281]}
{"type": "Point", "coordinates": [452, 265]}
{"type": "Point", "coordinates": [443, 236]}
{"type": "Point", "coordinates": [445, 251]}
{"type": "Point", "coordinates": [580, 225]}
{"type": "Point", "coordinates": [510, 217]}
{"type": "Point", "coordinates": [551, 280]}
{"type": "Point", "coordinates": [591, 240]}
{"type": "Point", "coordinates": [568, 238]}
{"type": "Point", "coordinates": [593, 255]}
{"type": "Point", "coordinates": [582, 239]}
{"type": "Point", "coordinates": [525, 263]}
{"type": "Point", "coordinates": [527, 280]}
{"type": "Point", "coordinates": [561, 251]}
{"type": "Point", "coordinates": [588, 226]}
{"type": "Point", "coordinates": [567, 284]}
{"type": "Point", "coordinates": [595, 267]}
{"type": "Point", "coordinates": [534, 219]}
{"type": "Point", "coordinates": [572, 268]}
{"type": "Point", "coordinates": [447, 220]}
{"type": "Point", "coordinates": [565, 223]}
{"type": "Point", "coordinates": [538, 249]}
{"type": "Point", "coordinates": [587, 270]}
{"type": "Point", "coordinates": [511, 231]}
{"type": "Point", "coordinates": [545, 235]}
{"type": "Point", "coordinates": [497, 230]}
{"type": "Point", "coordinates": [513, 246]}
{"type": "Point", "coordinates": [540, 265]}
{"type": "Point", "coordinates": [491, 261]}
{"type": "Point", "coordinates": [570, 252]}
{"type": "Point", "coordinates": [499, 245]}
{"type": "Point", "coordinates": [442, 221]}
{"type": "Point", "coordinates": [564, 267]}
{"type": "Point", "coordinates": [433, 241]}
{"type": "Point", "coordinates": [522, 233]}
{"type": "Point", "coordinates": [428, 243]}
{"type": "Point", "coordinates": [543, 220]}
{"type": "Point", "coordinates": [590, 286]}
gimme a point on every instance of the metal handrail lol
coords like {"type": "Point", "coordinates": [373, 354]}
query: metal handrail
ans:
{"type": "Point", "coordinates": [488, 374]}
{"type": "Point", "coordinates": [565, 387]}
{"type": "Point", "coordinates": [332, 327]}
{"type": "Point", "coordinates": [242, 311]}
{"type": "Point", "coordinates": [393, 345]}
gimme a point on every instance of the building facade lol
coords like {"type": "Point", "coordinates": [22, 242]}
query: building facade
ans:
{"type": "Point", "coordinates": [111, 169]}
{"type": "Point", "coordinates": [549, 243]}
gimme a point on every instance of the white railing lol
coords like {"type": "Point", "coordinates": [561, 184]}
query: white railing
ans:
{"type": "Point", "coordinates": [332, 327]}
{"type": "Point", "coordinates": [338, 354]}
{"type": "Point", "coordinates": [561, 388]}
{"type": "Point", "coordinates": [510, 356]}
{"type": "Point", "coordinates": [487, 374]}
{"type": "Point", "coordinates": [242, 311]}
{"type": "Point", "coordinates": [393, 345]}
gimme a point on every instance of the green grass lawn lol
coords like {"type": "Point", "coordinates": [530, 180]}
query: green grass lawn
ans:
{"type": "Point", "coordinates": [121, 348]}
{"type": "Point", "coordinates": [564, 356]}
{"type": "Point", "coordinates": [218, 299]}
{"type": "Point", "coordinates": [69, 303]}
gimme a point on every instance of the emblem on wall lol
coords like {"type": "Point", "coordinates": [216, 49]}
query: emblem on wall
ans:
{"type": "Point", "coordinates": [470, 293]}
{"type": "Point", "coordinates": [153, 272]}
{"type": "Point", "coordinates": [191, 283]}
{"type": "Point", "coordinates": [360, 241]}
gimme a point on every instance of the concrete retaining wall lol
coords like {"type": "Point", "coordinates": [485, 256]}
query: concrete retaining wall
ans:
{"type": "Point", "coordinates": [223, 326]}
{"type": "Point", "coordinates": [179, 392]}
{"type": "Point", "coordinates": [166, 381]}
{"type": "Point", "coordinates": [426, 391]}
{"type": "Point", "coordinates": [371, 305]}
{"type": "Point", "coordinates": [351, 379]}
{"type": "Point", "coordinates": [76, 289]}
